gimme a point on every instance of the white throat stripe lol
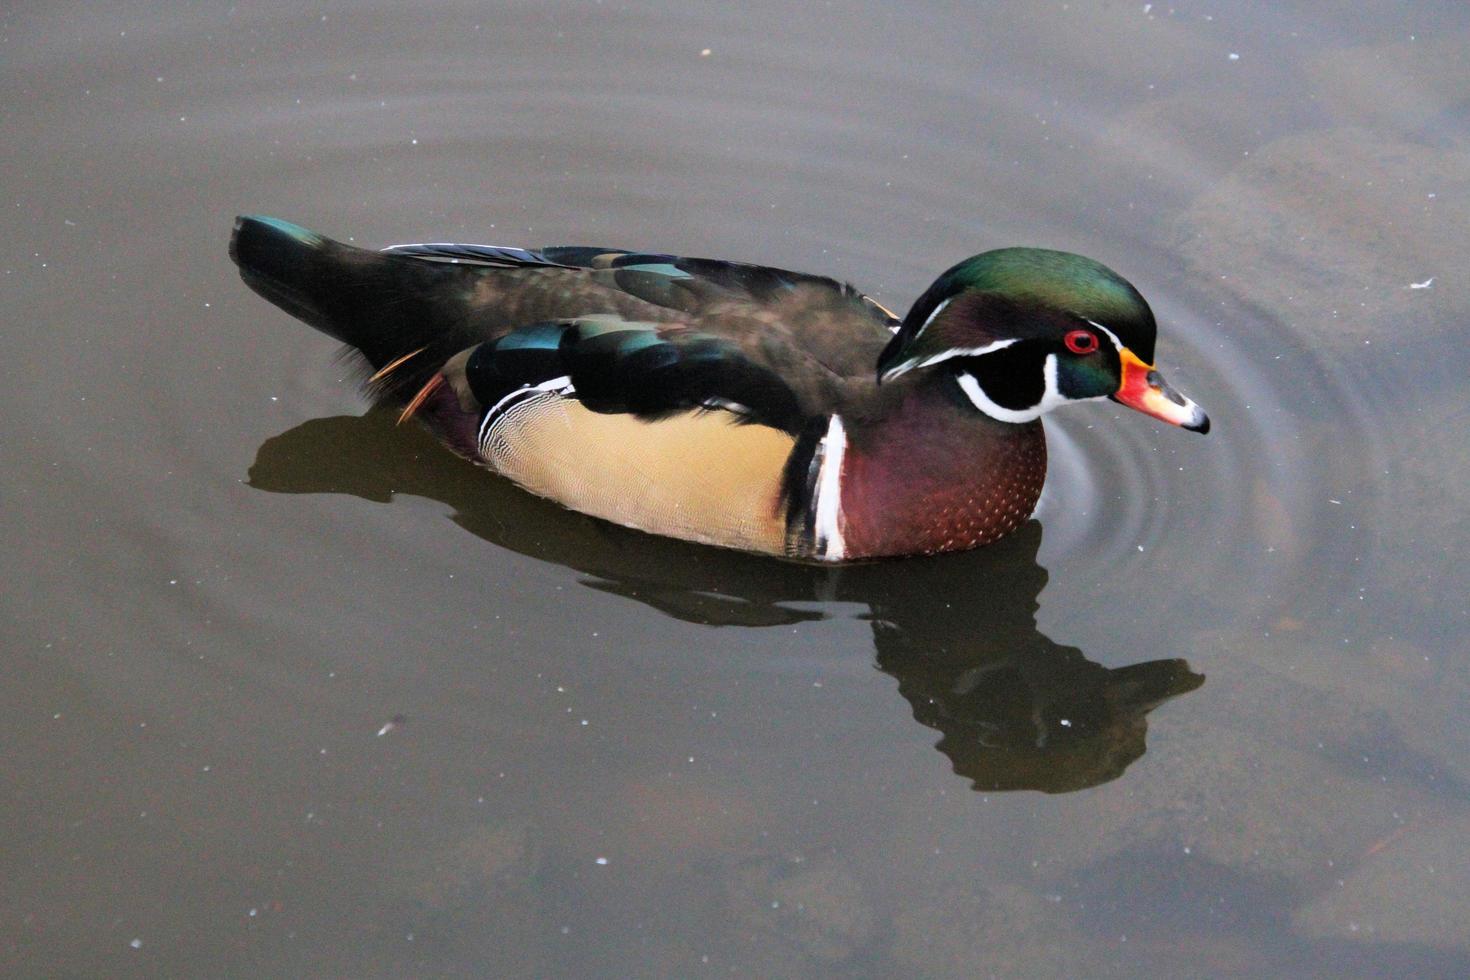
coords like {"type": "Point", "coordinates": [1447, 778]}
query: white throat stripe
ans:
{"type": "Point", "coordinates": [983, 402]}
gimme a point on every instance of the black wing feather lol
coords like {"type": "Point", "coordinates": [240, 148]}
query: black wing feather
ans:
{"type": "Point", "coordinates": [642, 369]}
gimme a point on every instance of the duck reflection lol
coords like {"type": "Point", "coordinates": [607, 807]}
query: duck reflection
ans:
{"type": "Point", "coordinates": [1014, 710]}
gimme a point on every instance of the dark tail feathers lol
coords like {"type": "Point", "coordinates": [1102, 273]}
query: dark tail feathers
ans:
{"type": "Point", "coordinates": [383, 305]}
{"type": "Point", "coordinates": [289, 266]}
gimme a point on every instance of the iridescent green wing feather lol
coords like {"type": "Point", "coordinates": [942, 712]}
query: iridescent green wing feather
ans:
{"type": "Point", "coordinates": [650, 370]}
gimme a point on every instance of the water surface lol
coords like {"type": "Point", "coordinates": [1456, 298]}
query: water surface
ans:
{"type": "Point", "coordinates": [291, 691]}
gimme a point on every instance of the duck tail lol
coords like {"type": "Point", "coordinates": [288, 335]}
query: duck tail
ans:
{"type": "Point", "coordinates": [384, 306]}
{"type": "Point", "coordinates": [292, 267]}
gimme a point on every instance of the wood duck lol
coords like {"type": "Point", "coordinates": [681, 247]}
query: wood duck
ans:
{"type": "Point", "coordinates": [731, 404]}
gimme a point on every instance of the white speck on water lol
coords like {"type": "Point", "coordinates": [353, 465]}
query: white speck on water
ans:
{"type": "Point", "coordinates": [1066, 723]}
{"type": "Point", "coordinates": [1234, 56]}
{"type": "Point", "coordinates": [1331, 501]}
{"type": "Point", "coordinates": [136, 944]}
{"type": "Point", "coordinates": [705, 53]}
{"type": "Point", "coordinates": [1422, 285]}
{"type": "Point", "coordinates": [253, 913]}
{"type": "Point", "coordinates": [602, 860]}
{"type": "Point", "coordinates": [1140, 547]}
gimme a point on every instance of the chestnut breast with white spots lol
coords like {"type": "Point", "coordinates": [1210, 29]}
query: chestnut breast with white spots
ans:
{"type": "Point", "coordinates": [932, 480]}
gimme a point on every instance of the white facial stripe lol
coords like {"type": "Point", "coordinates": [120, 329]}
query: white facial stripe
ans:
{"type": "Point", "coordinates": [909, 365]}
{"type": "Point", "coordinates": [930, 318]}
{"type": "Point", "coordinates": [827, 500]}
{"type": "Point", "coordinates": [1111, 336]}
{"type": "Point", "coordinates": [966, 352]}
{"type": "Point", "coordinates": [916, 362]}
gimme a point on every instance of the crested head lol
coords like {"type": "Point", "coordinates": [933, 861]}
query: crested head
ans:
{"type": "Point", "coordinates": [1050, 281]}
{"type": "Point", "coordinates": [1017, 294]}
{"type": "Point", "coordinates": [1023, 330]}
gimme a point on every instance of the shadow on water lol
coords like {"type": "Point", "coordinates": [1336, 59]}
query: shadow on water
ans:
{"type": "Point", "coordinates": [1014, 710]}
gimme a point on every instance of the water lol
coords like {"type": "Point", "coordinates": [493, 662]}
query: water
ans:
{"type": "Point", "coordinates": [292, 692]}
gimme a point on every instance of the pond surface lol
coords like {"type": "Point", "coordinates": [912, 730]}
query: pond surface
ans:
{"type": "Point", "coordinates": [290, 691]}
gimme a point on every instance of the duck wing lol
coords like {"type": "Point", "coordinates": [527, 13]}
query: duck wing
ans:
{"type": "Point", "coordinates": [723, 322]}
{"type": "Point", "coordinates": [652, 371]}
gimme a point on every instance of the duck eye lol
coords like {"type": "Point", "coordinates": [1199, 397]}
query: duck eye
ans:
{"type": "Point", "coordinates": [1080, 341]}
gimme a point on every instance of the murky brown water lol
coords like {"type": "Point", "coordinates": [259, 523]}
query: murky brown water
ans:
{"type": "Point", "coordinates": [289, 691]}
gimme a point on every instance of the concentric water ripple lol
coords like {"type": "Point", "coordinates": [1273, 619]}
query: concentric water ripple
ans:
{"type": "Point", "coordinates": [327, 701]}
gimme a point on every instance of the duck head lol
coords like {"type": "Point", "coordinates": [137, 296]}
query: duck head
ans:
{"type": "Point", "coordinates": [1023, 330]}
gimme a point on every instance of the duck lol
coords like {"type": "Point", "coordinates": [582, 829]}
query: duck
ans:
{"type": "Point", "coordinates": [731, 404]}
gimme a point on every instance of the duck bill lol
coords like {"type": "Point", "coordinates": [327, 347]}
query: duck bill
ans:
{"type": "Point", "coordinates": [1145, 389]}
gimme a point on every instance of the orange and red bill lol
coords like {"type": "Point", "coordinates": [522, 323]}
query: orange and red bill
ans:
{"type": "Point", "coordinates": [1144, 389]}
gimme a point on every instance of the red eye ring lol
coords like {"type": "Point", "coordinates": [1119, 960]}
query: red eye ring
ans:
{"type": "Point", "coordinates": [1080, 341]}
